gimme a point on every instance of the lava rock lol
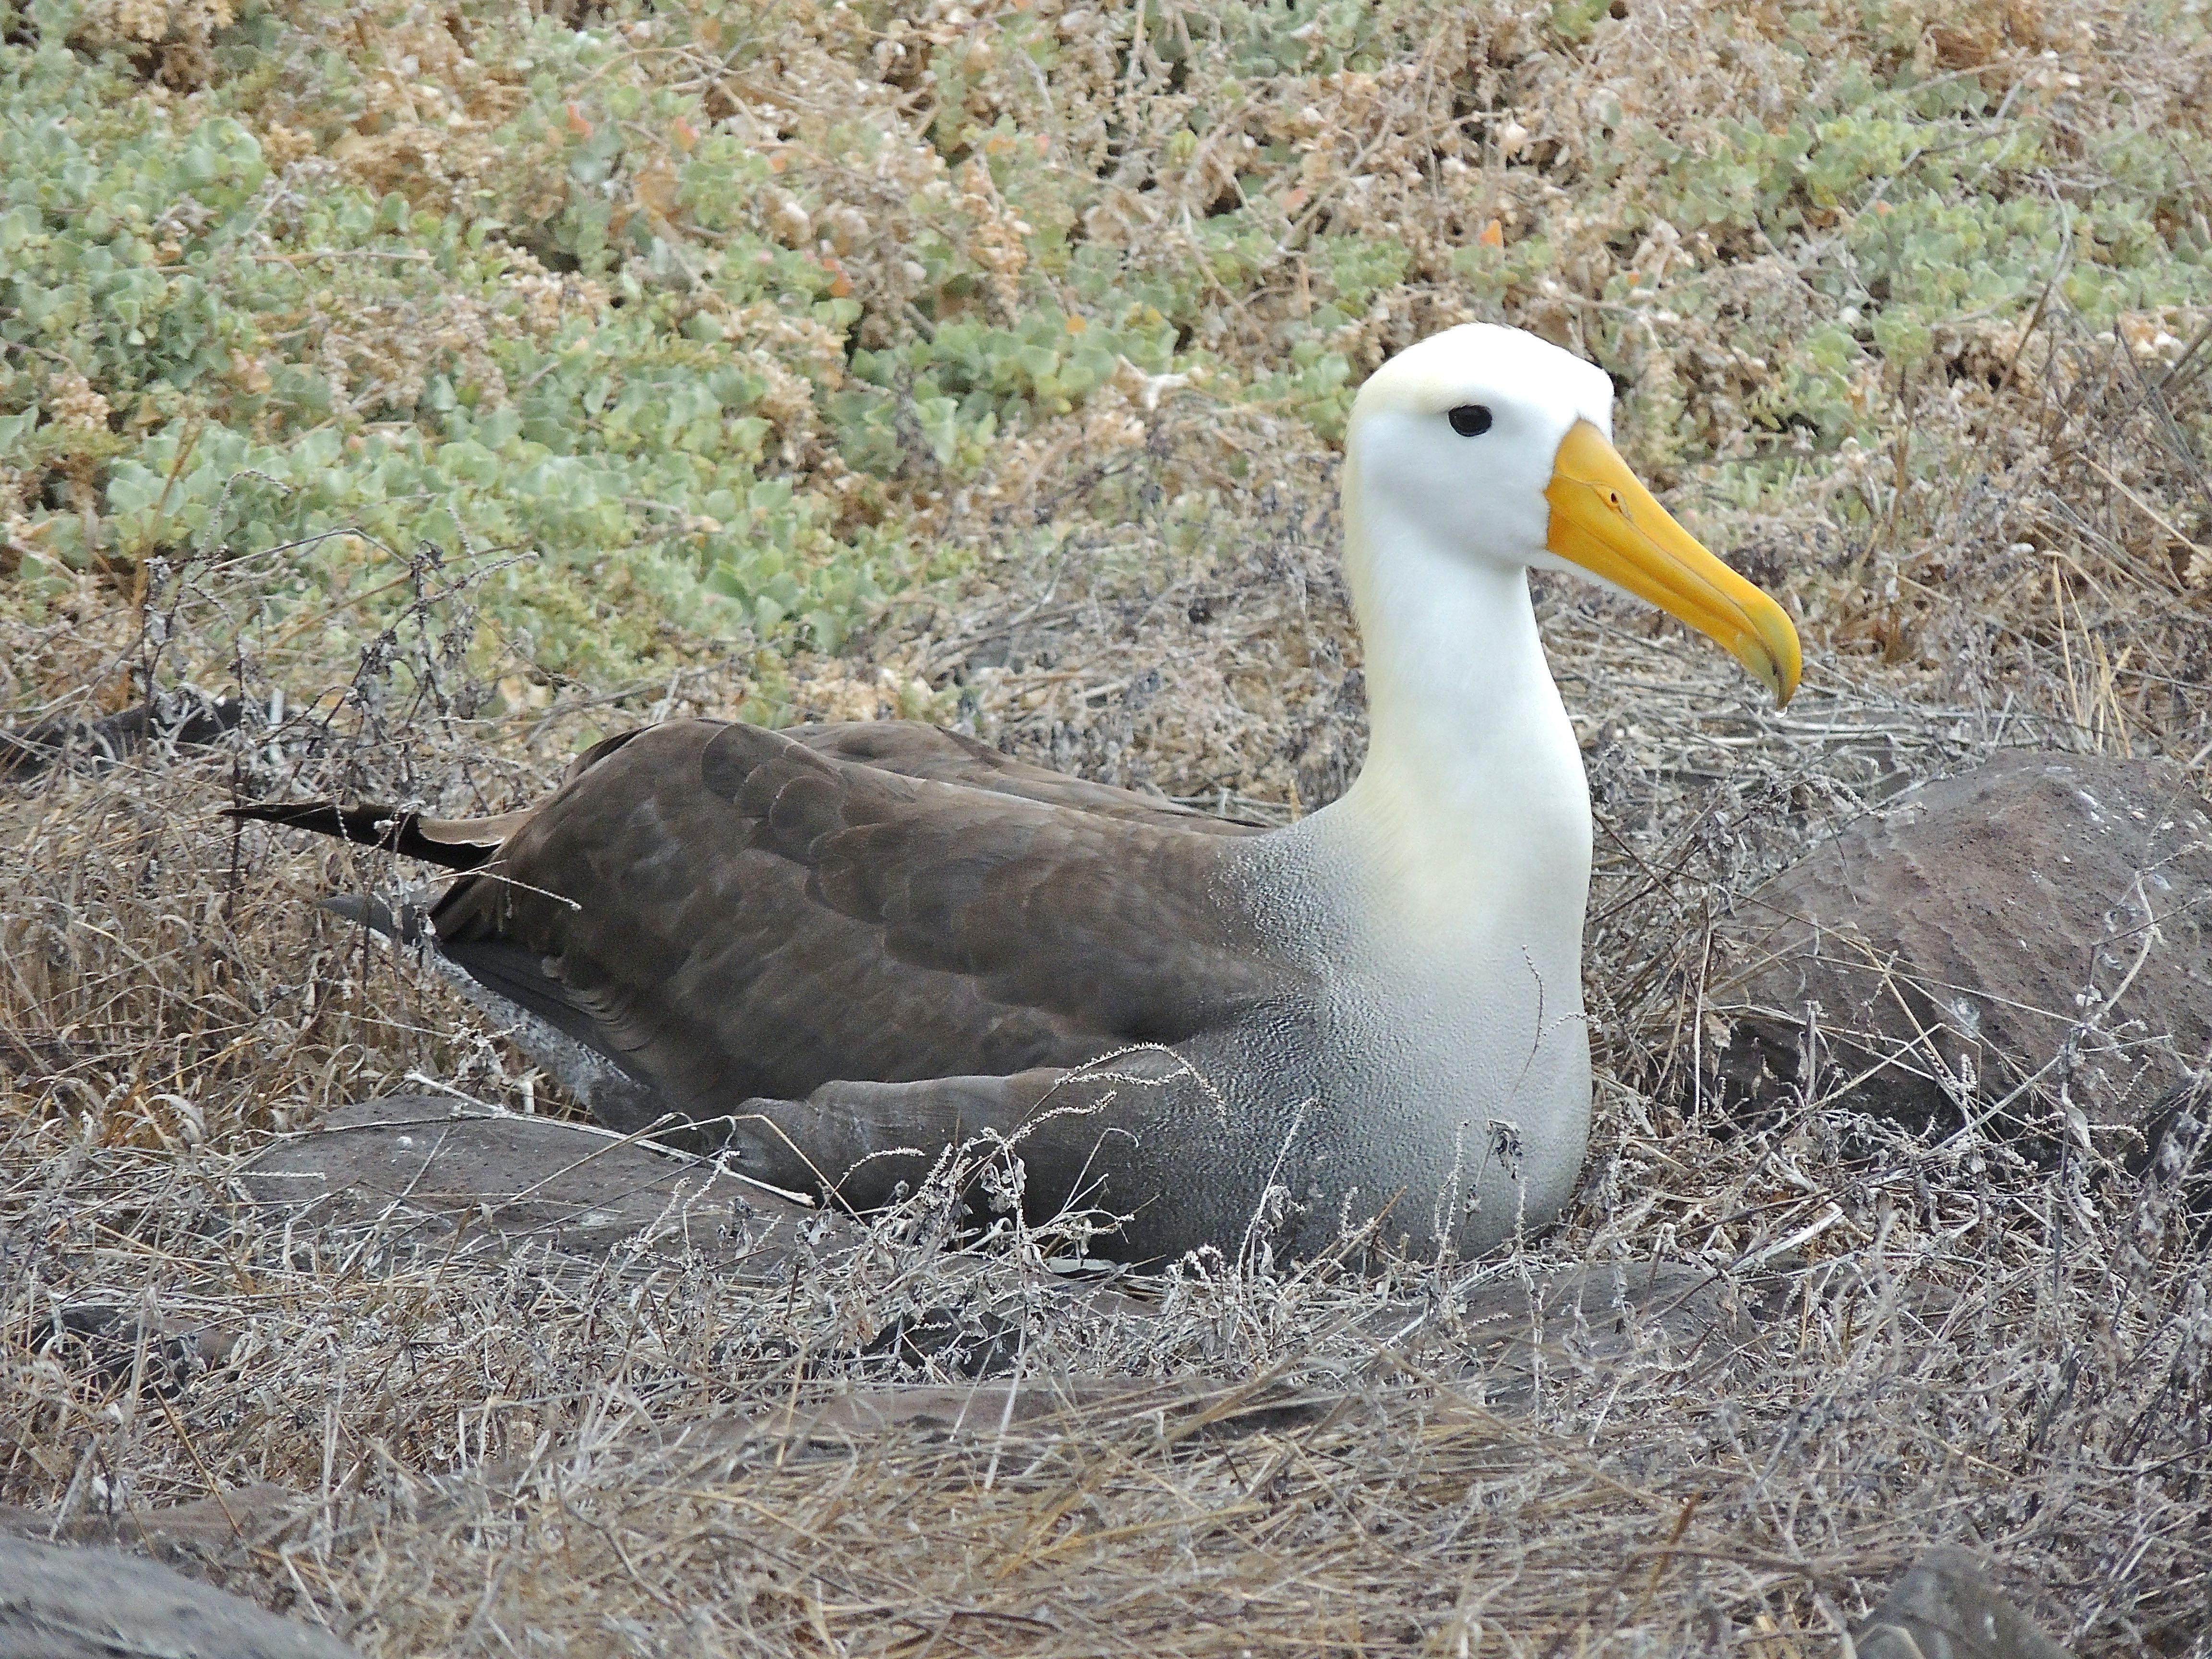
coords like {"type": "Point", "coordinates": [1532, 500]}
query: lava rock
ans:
{"type": "Point", "coordinates": [61, 1603]}
{"type": "Point", "coordinates": [2034, 933]}
{"type": "Point", "coordinates": [180, 720]}
{"type": "Point", "coordinates": [425, 1167]}
{"type": "Point", "coordinates": [1947, 1609]}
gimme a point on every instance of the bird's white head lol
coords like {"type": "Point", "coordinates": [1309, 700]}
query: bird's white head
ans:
{"type": "Point", "coordinates": [1491, 445]}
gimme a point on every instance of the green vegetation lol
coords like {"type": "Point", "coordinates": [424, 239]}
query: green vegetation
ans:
{"type": "Point", "coordinates": [721, 310]}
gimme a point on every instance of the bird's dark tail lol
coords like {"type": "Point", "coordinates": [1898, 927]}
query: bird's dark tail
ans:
{"type": "Point", "coordinates": [455, 843]}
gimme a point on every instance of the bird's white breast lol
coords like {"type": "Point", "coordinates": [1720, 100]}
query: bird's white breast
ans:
{"type": "Point", "coordinates": [1442, 934]}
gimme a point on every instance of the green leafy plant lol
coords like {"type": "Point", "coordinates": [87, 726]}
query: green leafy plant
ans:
{"type": "Point", "coordinates": [719, 311]}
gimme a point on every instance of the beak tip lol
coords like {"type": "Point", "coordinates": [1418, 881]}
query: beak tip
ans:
{"type": "Point", "coordinates": [1783, 663]}
{"type": "Point", "coordinates": [1605, 522]}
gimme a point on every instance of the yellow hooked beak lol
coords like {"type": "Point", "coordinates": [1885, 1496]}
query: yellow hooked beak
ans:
{"type": "Point", "coordinates": [1607, 523]}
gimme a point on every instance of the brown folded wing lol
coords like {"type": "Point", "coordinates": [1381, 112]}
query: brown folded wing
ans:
{"type": "Point", "coordinates": [735, 913]}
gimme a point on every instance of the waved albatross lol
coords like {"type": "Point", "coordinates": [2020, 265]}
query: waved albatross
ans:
{"type": "Point", "coordinates": [856, 944]}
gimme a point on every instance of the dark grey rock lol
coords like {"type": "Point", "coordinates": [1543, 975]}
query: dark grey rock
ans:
{"type": "Point", "coordinates": [429, 1166]}
{"type": "Point", "coordinates": [2037, 931]}
{"type": "Point", "coordinates": [57, 1603]}
{"type": "Point", "coordinates": [178, 720]}
{"type": "Point", "coordinates": [1947, 1609]}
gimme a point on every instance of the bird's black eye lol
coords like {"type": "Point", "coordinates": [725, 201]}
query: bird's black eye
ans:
{"type": "Point", "coordinates": [1470, 420]}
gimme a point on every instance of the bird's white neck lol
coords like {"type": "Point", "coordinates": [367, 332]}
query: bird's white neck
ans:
{"type": "Point", "coordinates": [1438, 905]}
{"type": "Point", "coordinates": [1473, 783]}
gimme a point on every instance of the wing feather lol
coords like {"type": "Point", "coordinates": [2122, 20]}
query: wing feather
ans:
{"type": "Point", "coordinates": [913, 749]}
{"type": "Point", "coordinates": [738, 913]}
